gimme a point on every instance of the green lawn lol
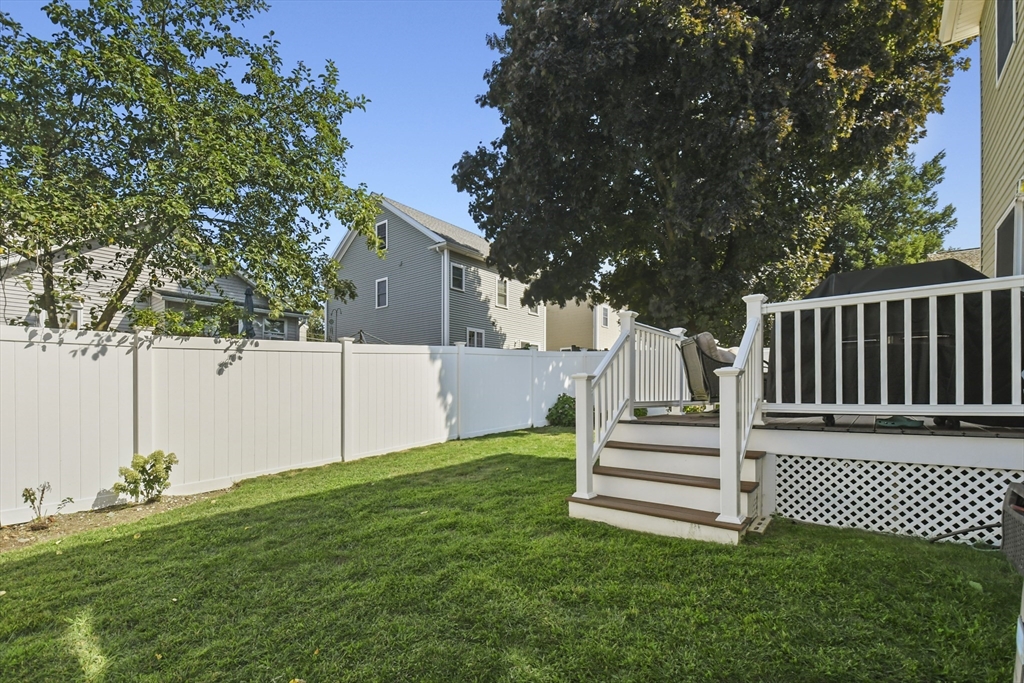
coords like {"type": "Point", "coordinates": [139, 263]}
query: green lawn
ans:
{"type": "Point", "coordinates": [459, 562]}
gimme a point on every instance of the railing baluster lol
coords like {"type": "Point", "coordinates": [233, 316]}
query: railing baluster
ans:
{"type": "Point", "coordinates": [861, 333]}
{"type": "Point", "coordinates": [798, 387]}
{"type": "Point", "coordinates": [908, 352]}
{"type": "Point", "coordinates": [883, 349]}
{"type": "Point", "coordinates": [1015, 369]}
{"type": "Point", "coordinates": [933, 350]}
{"type": "Point", "coordinates": [839, 354]}
{"type": "Point", "coordinates": [986, 348]}
{"type": "Point", "coordinates": [817, 354]}
{"type": "Point", "coordinates": [959, 298]}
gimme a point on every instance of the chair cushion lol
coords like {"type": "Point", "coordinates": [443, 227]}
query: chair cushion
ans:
{"type": "Point", "coordinates": [706, 343]}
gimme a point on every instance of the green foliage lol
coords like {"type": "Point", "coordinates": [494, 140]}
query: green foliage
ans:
{"type": "Point", "coordinates": [693, 147]}
{"type": "Point", "coordinates": [220, 320]}
{"type": "Point", "coordinates": [639, 412]}
{"type": "Point", "coordinates": [465, 552]}
{"type": "Point", "coordinates": [148, 476]}
{"type": "Point", "coordinates": [563, 412]}
{"type": "Point", "coordinates": [34, 498]}
{"type": "Point", "coordinates": [889, 217]}
{"type": "Point", "coordinates": [158, 129]}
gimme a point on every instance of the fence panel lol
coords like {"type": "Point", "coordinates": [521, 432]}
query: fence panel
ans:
{"type": "Point", "coordinates": [495, 388]}
{"type": "Point", "coordinates": [65, 416]}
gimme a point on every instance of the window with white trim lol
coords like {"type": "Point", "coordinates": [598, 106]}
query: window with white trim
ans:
{"type": "Point", "coordinates": [1007, 245]}
{"type": "Point", "coordinates": [274, 329]}
{"type": "Point", "coordinates": [382, 233]}
{"type": "Point", "coordinates": [533, 310]}
{"type": "Point", "coordinates": [604, 316]}
{"type": "Point", "coordinates": [458, 278]}
{"type": "Point", "coordinates": [502, 293]}
{"type": "Point", "coordinates": [381, 289]}
{"type": "Point", "coordinates": [474, 337]}
{"type": "Point", "coordinates": [1006, 33]}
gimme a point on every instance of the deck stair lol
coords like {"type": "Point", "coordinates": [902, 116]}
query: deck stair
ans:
{"type": "Point", "coordinates": [654, 482]}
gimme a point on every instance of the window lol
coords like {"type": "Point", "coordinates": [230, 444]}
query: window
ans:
{"type": "Point", "coordinates": [458, 278]}
{"type": "Point", "coordinates": [382, 293]}
{"type": "Point", "coordinates": [382, 233]}
{"type": "Point", "coordinates": [533, 310]}
{"type": "Point", "coordinates": [502, 293]}
{"type": "Point", "coordinates": [74, 319]}
{"type": "Point", "coordinates": [274, 329]}
{"type": "Point", "coordinates": [604, 316]}
{"type": "Point", "coordinates": [1005, 246]}
{"type": "Point", "coordinates": [474, 337]}
{"type": "Point", "coordinates": [1006, 30]}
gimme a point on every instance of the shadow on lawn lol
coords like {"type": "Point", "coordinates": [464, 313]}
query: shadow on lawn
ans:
{"type": "Point", "coordinates": [475, 571]}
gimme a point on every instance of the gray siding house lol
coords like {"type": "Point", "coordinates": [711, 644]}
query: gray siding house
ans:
{"type": "Point", "coordinates": [433, 287]}
{"type": "Point", "coordinates": [19, 277]}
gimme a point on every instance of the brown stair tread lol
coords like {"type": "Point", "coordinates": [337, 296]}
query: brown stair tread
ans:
{"type": "Point", "coordinates": [667, 478]}
{"type": "Point", "coordinates": [681, 450]}
{"type": "Point", "coordinates": [661, 510]}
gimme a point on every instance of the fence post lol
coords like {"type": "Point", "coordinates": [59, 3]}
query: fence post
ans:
{"type": "Point", "coordinates": [460, 349]}
{"type": "Point", "coordinates": [628, 323]}
{"type": "Point", "coordinates": [142, 394]}
{"type": "Point", "coordinates": [729, 445]}
{"type": "Point", "coordinates": [584, 435]}
{"type": "Point", "coordinates": [347, 398]}
{"type": "Point", "coordinates": [533, 383]}
{"type": "Point", "coordinates": [684, 384]}
{"type": "Point", "coordinates": [755, 309]}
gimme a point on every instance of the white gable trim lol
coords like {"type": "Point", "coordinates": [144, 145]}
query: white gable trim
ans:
{"type": "Point", "coordinates": [350, 236]}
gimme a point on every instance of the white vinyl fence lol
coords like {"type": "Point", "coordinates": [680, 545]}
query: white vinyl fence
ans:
{"type": "Point", "coordinates": [75, 406]}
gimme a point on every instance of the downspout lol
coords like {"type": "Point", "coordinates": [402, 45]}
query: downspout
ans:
{"type": "Point", "coordinates": [442, 247]}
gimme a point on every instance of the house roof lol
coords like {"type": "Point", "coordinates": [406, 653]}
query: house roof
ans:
{"type": "Point", "coordinates": [961, 19]}
{"type": "Point", "coordinates": [971, 257]}
{"type": "Point", "coordinates": [452, 234]}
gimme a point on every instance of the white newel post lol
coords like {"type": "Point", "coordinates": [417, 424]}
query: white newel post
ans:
{"type": "Point", "coordinates": [728, 455]}
{"type": "Point", "coordinates": [348, 405]}
{"type": "Point", "coordinates": [684, 385]}
{"type": "Point", "coordinates": [460, 350]}
{"type": "Point", "coordinates": [627, 320]}
{"type": "Point", "coordinates": [584, 435]}
{"type": "Point", "coordinates": [755, 309]}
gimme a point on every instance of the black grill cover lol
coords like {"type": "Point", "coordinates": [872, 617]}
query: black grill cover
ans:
{"type": "Point", "coordinates": [897, 277]}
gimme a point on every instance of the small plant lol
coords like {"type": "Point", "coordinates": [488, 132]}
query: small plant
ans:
{"type": "Point", "coordinates": [639, 412]}
{"type": "Point", "coordinates": [148, 476]}
{"type": "Point", "coordinates": [563, 412]}
{"type": "Point", "coordinates": [34, 497]}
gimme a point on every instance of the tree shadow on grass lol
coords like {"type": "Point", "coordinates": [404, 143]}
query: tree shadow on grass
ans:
{"type": "Point", "coordinates": [475, 572]}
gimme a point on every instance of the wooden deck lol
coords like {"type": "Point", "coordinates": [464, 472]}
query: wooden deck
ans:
{"type": "Point", "coordinates": [861, 424]}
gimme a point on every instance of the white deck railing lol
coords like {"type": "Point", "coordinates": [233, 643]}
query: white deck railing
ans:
{"type": "Point", "coordinates": [642, 369]}
{"type": "Point", "coordinates": [740, 389]}
{"type": "Point", "coordinates": [882, 371]}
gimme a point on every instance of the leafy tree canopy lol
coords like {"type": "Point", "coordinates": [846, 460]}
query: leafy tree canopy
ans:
{"type": "Point", "coordinates": [126, 128]}
{"type": "Point", "coordinates": [889, 217]}
{"type": "Point", "coordinates": [676, 155]}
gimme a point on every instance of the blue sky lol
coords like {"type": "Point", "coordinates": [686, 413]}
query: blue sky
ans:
{"type": "Point", "coordinates": [421, 64]}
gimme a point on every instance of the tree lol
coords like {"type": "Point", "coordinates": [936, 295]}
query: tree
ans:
{"type": "Point", "coordinates": [127, 128]}
{"type": "Point", "coordinates": [676, 155]}
{"type": "Point", "coordinates": [889, 217]}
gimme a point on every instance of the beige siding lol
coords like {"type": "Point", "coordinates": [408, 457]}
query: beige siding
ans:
{"type": "Point", "coordinates": [477, 308]}
{"type": "Point", "coordinates": [1002, 130]}
{"type": "Point", "coordinates": [574, 325]}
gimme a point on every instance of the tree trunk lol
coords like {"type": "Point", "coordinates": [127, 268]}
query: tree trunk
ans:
{"type": "Point", "coordinates": [48, 302]}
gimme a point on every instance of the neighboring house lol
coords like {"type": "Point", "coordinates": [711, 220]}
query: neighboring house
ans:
{"type": "Point", "coordinates": [998, 22]}
{"type": "Point", "coordinates": [433, 287]}
{"type": "Point", "coordinates": [15, 295]}
{"type": "Point", "coordinates": [970, 257]}
{"type": "Point", "coordinates": [582, 325]}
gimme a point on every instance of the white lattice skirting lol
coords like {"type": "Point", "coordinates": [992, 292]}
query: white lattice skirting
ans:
{"type": "Point", "coordinates": [899, 498]}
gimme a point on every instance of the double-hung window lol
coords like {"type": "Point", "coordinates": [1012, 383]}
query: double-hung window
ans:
{"type": "Point", "coordinates": [1006, 33]}
{"type": "Point", "coordinates": [274, 329]}
{"type": "Point", "coordinates": [474, 337]}
{"type": "Point", "coordinates": [502, 293]}
{"type": "Point", "coordinates": [533, 310]}
{"type": "Point", "coordinates": [458, 278]}
{"type": "Point", "coordinates": [382, 234]}
{"type": "Point", "coordinates": [604, 316]}
{"type": "Point", "coordinates": [382, 293]}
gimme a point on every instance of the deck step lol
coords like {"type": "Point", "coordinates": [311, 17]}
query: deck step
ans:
{"type": "Point", "coordinates": [682, 450]}
{"type": "Point", "coordinates": [667, 478]}
{"type": "Point", "coordinates": [678, 514]}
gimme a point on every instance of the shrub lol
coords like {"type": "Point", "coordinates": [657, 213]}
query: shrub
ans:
{"type": "Point", "coordinates": [563, 413]}
{"type": "Point", "coordinates": [147, 477]}
{"type": "Point", "coordinates": [639, 412]}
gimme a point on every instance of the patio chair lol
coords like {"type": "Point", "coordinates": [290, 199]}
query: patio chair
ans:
{"type": "Point", "coordinates": [701, 357]}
